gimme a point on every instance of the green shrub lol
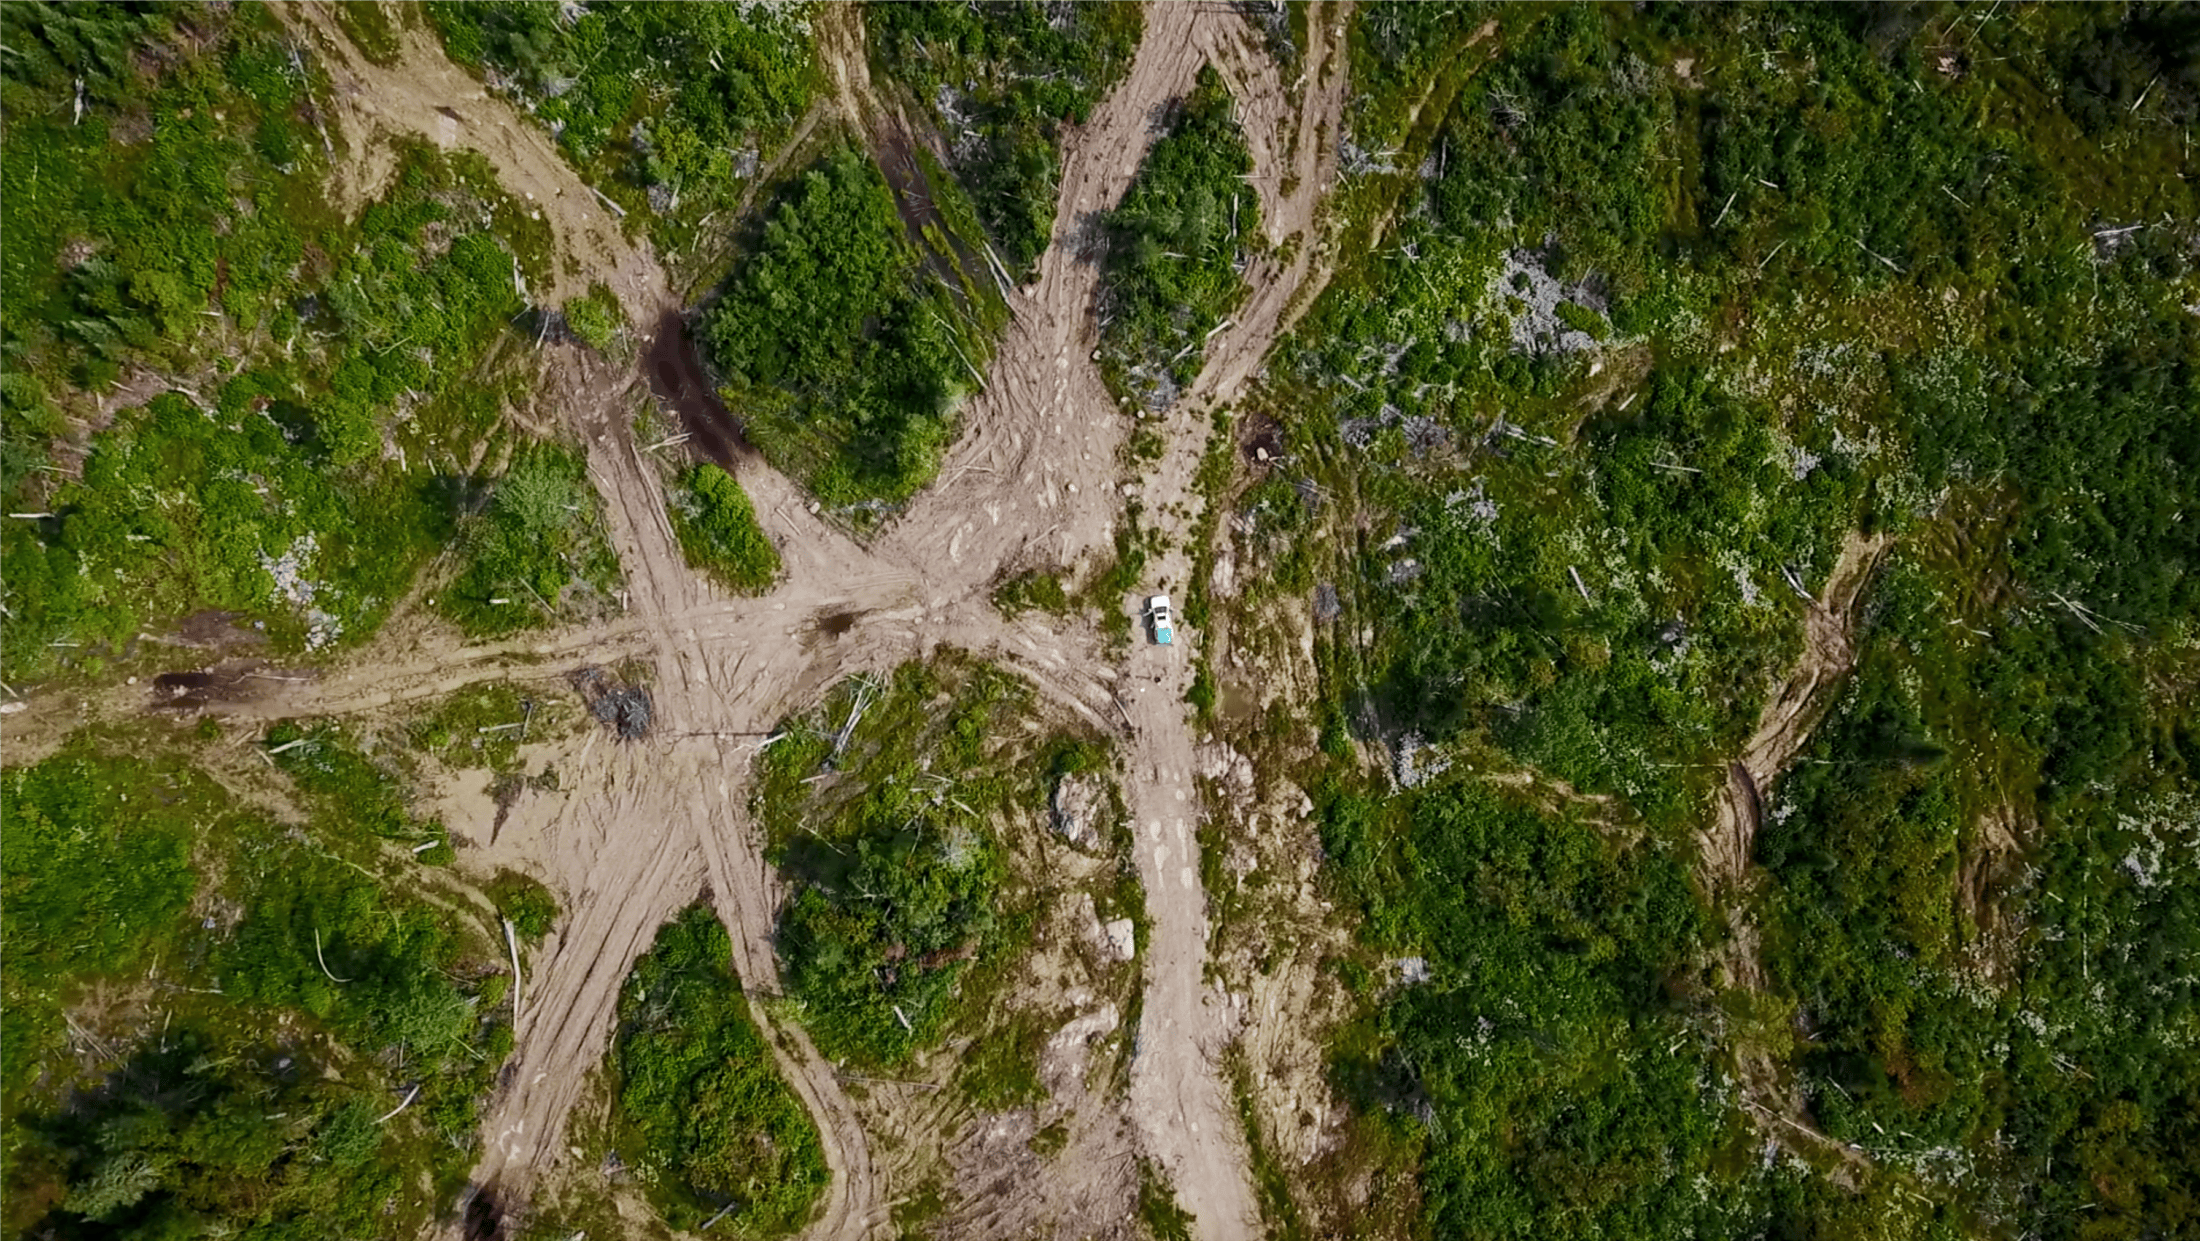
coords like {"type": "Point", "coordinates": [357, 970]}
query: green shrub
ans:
{"type": "Point", "coordinates": [874, 955]}
{"type": "Point", "coordinates": [1582, 319]}
{"type": "Point", "coordinates": [903, 921]}
{"type": "Point", "coordinates": [701, 1101]}
{"type": "Point", "coordinates": [596, 318]}
{"type": "Point", "coordinates": [840, 347]}
{"type": "Point", "coordinates": [1158, 1209]}
{"type": "Point", "coordinates": [1030, 590]}
{"type": "Point", "coordinates": [719, 533]}
{"type": "Point", "coordinates": [525, 903]}
{"type": "Point", "coordinates": [1175, 245]}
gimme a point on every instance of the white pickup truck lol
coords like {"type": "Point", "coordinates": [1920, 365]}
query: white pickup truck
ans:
{"type": "Point", "coordinates": [1157, 610]}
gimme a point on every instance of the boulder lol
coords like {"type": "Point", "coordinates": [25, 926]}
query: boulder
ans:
{"type": "Point", "coordinates": [1122, 938]}
{"type": "Point", "coordinates": [1078, 804]}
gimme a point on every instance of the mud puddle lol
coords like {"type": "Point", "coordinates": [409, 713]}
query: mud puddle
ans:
{"type": "Point", "coordinates": [677, 376]}
{"type": "Point", "coordinates": [231, 682]}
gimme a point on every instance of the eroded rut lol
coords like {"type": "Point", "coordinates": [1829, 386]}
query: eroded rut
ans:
{"type": "Point", "coordinates": [1035, 475]}
{"type": "Point", "coordinates": [1726, 848]}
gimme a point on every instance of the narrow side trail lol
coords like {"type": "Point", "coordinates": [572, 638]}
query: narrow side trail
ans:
{"type": "Point", "coordinates": [1727, 847]}
{"type": "Point", "coordinates": [1788, 716]}
{"type": "Point", "coordinates": [1293, 179]}
{"type": "Point", "coordinates": [423, 94]}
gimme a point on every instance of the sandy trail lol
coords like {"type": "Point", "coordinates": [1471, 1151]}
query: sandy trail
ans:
{"type": "Point", "coordinates": [1033, 477]}
{"type": "Point", "coordinates": [1785, 722]}
{"type": "Point", "coordinates": [650, 825]}
{"type": "Point", "coordinates": [1184, 1111]}
{"type": "Point", "coordinates": [1726, 848]}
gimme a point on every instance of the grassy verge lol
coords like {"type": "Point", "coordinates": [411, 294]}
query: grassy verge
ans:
{"type": "Point", "coordinates": [1001, 81]}
{"type": "Point", "coordinates": [670, 112]}
{"type": "Point", "coordinates": [538, 553]}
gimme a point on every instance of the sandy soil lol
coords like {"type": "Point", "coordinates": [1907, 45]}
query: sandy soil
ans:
{"type": "Point", "coordinates": [646, 827]}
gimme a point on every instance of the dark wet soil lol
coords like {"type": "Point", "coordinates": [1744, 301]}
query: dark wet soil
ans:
{"type": "Point", "coordinates": [230, 681]}
{"type": "Point", "coordinates": [917, 202]}
{"type": "Point", "coordinates": [483, 1218]}
{"type": "Point", "coordinates": [1260, 439]}
{"type": "Point", "coordinates": [677, 376]}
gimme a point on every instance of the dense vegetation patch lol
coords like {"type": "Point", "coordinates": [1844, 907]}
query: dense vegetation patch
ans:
{"type": "Point", "coordinates": [886, 808]}
{"type": "Point", "coordinates": [1984, 913]}
{"type": "Point", "coordinates": [668, 109]}
{"type": "Point", "coordinates": [719, 532]}
{"type": "Point", "coordinates": [172, 212]}
{"type": "Point", "coordinates": [703, 1111]}
{"type": "Point", "coordinates": [845, 351]}
{"type": "Point", "coordinates": [899, 875]}
{"type": "Point", "coordinates": [1537, 1064]}
{"type": "Point", "coordinates": [537, 553]}
{"type": "Point", "coordinates": [1002, 80]}
{"type": "Point", "coordinates": [209, 1014]}
{"type": "Point", "coordinates": [1176, 247]}
{"type": "Point", "coordinates": [1656, 311]}
{"type": "Point", "coordinates": [525, 903]}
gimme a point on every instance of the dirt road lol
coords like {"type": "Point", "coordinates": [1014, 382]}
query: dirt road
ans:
{"type": "Point", "coordinates": [1033, 479]}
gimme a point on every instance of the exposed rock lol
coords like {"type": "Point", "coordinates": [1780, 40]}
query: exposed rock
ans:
{"type": "Point", "coordinates": [1122, 938]}
{"type": "Point", "coordinates": [1117, 940]}
{"type": "Point", "coordinates": [1078, 804]}
{"type": "Point", "coordinates": [1327, 607]}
